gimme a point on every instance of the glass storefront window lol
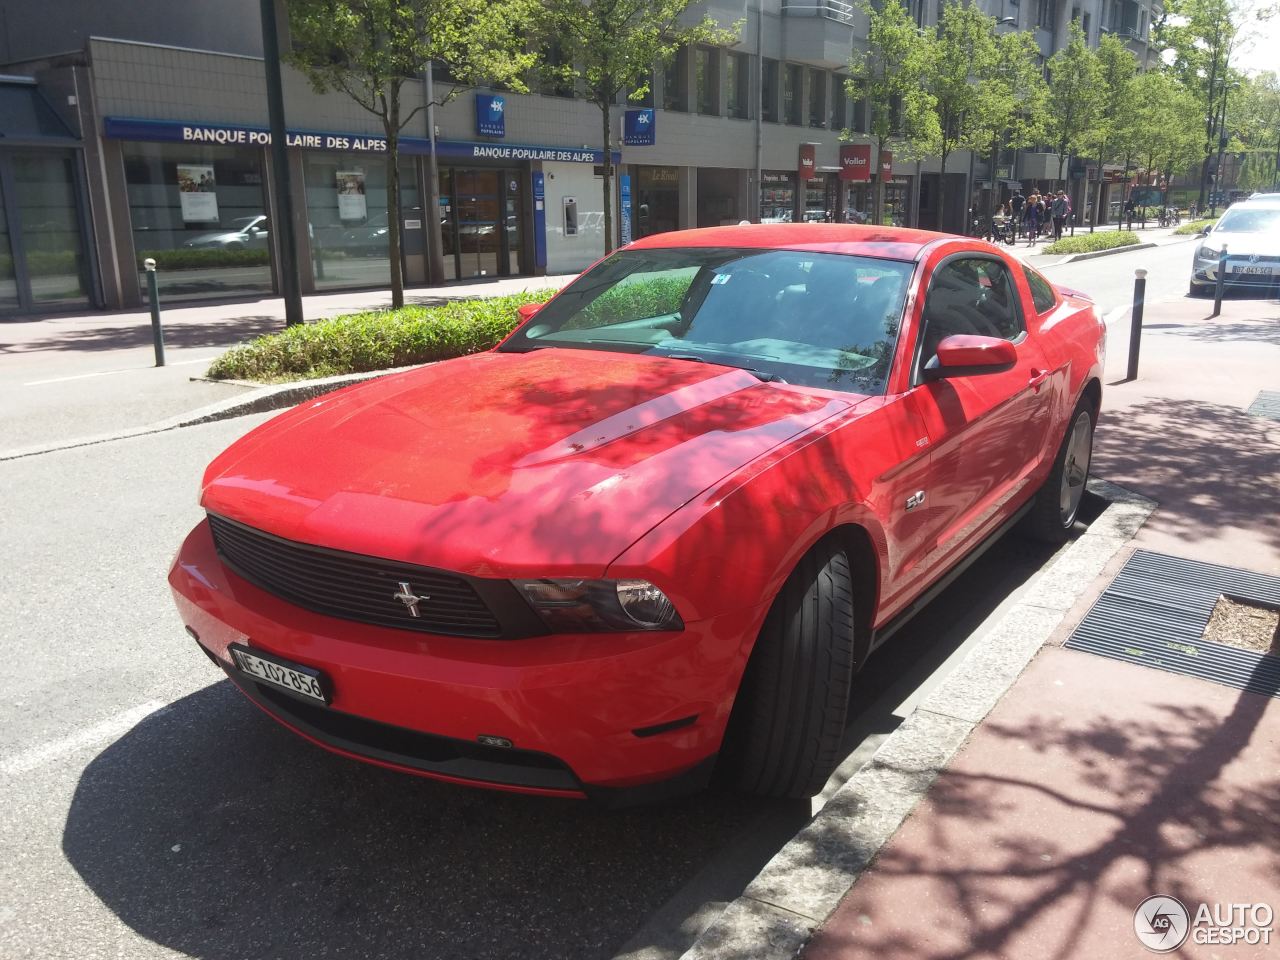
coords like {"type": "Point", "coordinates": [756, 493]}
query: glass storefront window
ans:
{"type": "Point", "coordinates": [656, 204]}
{"type": "Point", "coordinates": [777, 197]}
{"type": "Point", "coordinates": [857, 203]}
{"type": "Point", "coordinates": [201, 214]}
{"type": "Point", "coordinates": [8, 276]}
{"type": "Point", "coordinates": [347, 214]}
{"type": "Point", "coordinates": [45, 190]}
{"type": "Point", "coordinates": [817, 209]}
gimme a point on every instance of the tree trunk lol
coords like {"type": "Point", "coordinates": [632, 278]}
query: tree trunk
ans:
{"type": "Point", "coordinates": [877, 204]}
{"type": "Point", "coordinates": [391, 124]}
{"type": "Point", "coordinates": [607, 193]}
{"type": "Point", "coordinates": [991, 176]}
{"type": "Point", "coordinates": [942, 196]}
{"type": "Point", "coordinates": [1097, 200]}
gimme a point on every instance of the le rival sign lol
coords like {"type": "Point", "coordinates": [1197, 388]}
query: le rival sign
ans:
{"type": "Point", "coordinates": [855, 161]}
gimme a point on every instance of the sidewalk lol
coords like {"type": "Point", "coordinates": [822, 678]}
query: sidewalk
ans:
{"type": "Point", "coordinates": [1092, 783]}
{"type": "Point", "coordinates": [1030, 253]}
{"type": "Point", "coordinates": [68, 376]}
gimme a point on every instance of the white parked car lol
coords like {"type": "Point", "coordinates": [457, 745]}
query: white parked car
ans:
{"type": "Point", "coordinates": [1250, 233]}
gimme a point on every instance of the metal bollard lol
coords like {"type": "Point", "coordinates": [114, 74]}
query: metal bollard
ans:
{"type": "Point", "coordinates": [1221, 285]}
{"type": "Point", "coordinates": [157, 332]}
{"type": "Point", "coordinates": [1135, 323]}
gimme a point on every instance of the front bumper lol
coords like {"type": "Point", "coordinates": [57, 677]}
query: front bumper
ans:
{"type": "Point", "coordinates": [1205, 273]}
{"type": "Point", "coordinates": [587, 715]}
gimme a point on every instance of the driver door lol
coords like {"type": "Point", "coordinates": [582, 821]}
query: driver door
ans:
{"type": "Point", "coordinates": [985, 431]}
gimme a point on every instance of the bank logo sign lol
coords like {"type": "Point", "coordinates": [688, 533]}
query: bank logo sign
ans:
{"type": "Point", "coordinates": [491, 115]}
{"type": "Point", "coordinates": [638, 127]}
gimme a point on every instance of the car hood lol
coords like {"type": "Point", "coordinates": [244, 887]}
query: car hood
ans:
{"type": "Point", "coordinates": [1244, 244]}
{"type": "Point", "coordinates": [504, 464]}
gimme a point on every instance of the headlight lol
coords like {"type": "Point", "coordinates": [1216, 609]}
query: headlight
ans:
{"type": "Point", "coordinates": [1208, 253]}
{"type": "Point", "coordinates": [600, 606]}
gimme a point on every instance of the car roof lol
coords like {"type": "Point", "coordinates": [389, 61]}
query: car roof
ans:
{"type": "Point", "coordinates": [896, 243]}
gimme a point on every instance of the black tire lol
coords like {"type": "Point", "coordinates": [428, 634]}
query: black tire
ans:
{"type": "Point", "coordinates": [788, 721]}
{"type": "Point", "coordinates": [1052, 516]}
{"type": "Point", "coordinates": [1199, 291]}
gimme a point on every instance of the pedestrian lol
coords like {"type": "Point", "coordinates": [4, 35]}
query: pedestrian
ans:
{"type": "Point", "coordinates": [1130, 208]}
{"type": "Point", "coordinates": [1032, 218]}
{"type": "Point", "coordinates": [1015, 206]}
{"type": "Point", "coordinates": [1059, 209]}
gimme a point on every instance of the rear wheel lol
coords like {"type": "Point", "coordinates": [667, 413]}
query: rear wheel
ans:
{"type": "Point", "coordinates": [788, 722]}
{"type": "Point", "coordinates": [1057, 503]}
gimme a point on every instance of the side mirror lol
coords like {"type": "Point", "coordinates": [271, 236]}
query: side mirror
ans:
{"type": "Point", "coordinates": [965, 355]}
{"type": "Point", "coordinates": [1204, 232]}
{"type": "Point", "coordinates": [527, 310]}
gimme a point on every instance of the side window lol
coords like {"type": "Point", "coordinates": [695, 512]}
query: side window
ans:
{"type": "Point", "coordinates": [970, 296]}
{"type": "Point", "coordinates": [1041, 293]}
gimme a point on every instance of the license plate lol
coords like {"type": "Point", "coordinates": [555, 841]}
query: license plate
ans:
{"type": "Point", "coordinates": [1252, 269]}
{"type": "Point", "coordinates": [291, 677]}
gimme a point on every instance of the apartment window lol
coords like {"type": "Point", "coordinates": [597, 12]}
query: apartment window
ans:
{"type": "Point", "coordinates": [675, 92]}
{"type": "Point", "coordinates": [859, 122]}
{"type": "Point", "coordinates": [792, 79]}
{"type": "Point", "coordinates": [769, 89]}
{"type": "Point", "coordinates": [1086, 25]}
{"type": "Point", "coordinates": [706, 66]}
{"type": "Point", "coordinates": [737, 78]}
{"type": "Point", "coordinates": [1044, 15]}
{"type": "Point", "coordinates": [553, 84]}
{"type": "Point", "coordinates": [646, 100]}
{"type": "Point", "coordinates": [917, 8]}
{"type": "Point", "coordinates": [838, 111]}
{"type": "Point", "coordinates": [817, 98]}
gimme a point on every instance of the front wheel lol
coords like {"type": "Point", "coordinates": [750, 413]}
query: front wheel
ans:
{"type": "Point", "coordinates": [788, 721]}
{"type": "Point", "coordinates": [1057, 503]}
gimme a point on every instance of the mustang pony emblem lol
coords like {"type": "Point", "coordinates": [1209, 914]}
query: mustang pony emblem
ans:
{"type": "Point", "coordinates": [410, 599]}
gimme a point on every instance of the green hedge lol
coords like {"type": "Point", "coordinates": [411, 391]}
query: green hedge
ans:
{"type": "Point", "coordinates": [44, 263]}
{"type": "Point", "coordinates": [187, 258]}
{"type": "Point", "coordinates": [375, 340]}
{"type": "Point", "coordinates": [633, 301]}
{"type": "Point", "coordinates": [1091, 242]}
{"type": "Point", "coordinates": [1195, 226]}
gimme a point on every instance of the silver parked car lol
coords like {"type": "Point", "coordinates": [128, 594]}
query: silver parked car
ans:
{"type": "Point", "coordinates": [1250, 232]}
{"type": "Point", "coordinates": [242, 233]}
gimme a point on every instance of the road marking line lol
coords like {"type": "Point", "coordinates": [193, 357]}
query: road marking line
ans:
{"type": "Point", "coordinates": [112, 727]}
{"type": "Point", "coordinates": [107, 373]}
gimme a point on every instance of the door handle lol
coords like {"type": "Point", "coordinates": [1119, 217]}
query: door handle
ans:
{"type": "Point", "coordinates": [1038, 377]}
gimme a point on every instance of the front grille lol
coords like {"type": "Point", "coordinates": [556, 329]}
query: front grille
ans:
{"type": "Point", "coordinates": [351, 586]}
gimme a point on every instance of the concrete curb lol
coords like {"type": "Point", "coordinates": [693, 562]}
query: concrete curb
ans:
{"type": "Point", "coordinates": [805, 881]}
{"type": "Point", "coordinates": [1095, 254]}
{"type": "Point", "coordinates": [259, 400]}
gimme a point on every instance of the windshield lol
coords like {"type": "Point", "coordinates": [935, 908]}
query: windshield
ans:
{"type": "Point", "coordinates": [1245, 220]}
{"type": "Point", "coordinates": [243, 223]}
{"type": "Point", "coordinates": [817, 319]}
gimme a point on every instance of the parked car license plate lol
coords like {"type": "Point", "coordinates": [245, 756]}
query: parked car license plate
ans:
{"type": "Point", "coordinates": [291, 677]}
{"type": "Point", "coordinates": [1252, 269]}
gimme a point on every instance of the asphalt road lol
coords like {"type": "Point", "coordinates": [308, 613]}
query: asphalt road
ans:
{"type": "Point", "coordinates": [147, 810]}
{"type": "Point", "coordinates": [1109, 280]}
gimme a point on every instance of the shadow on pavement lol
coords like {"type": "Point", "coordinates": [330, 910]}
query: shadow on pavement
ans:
{"type": "Point", "coordinates": [1210, 466]}
{"type": "Point", "coordinates": [220, 333]}
{"type": "Point", "coordinates": [211, 830]}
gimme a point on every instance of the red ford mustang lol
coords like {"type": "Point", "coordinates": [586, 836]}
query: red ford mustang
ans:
{"type": "Point", "coordinates": [661, 525]}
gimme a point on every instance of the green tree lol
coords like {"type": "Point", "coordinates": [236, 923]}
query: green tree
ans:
{"type": "Point", "coordinates": [1198, 38]}
{"type": "Point", "coordinates": [1075, 97]}
{"type": "Point", "coordinates": [890, 71]}
{"type": "Point", "coordinates": [1254, 113]}
{"type": "Point", "coordinates": [1117, 68]}
{"type": "Point", "coordinates": [956, 61]}
{"type": "Point", "coordinates": [369, 49]}
{"type": "Point", "coordinates": [1011, 100]}
{"type": "Point", "coordinates": [1161, 134]}
{"type": "Point", "coordinates": [614, 46]}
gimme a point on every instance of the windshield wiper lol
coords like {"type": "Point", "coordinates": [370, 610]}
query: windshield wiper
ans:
{"type": "Point", "coordinates": [758, 374]}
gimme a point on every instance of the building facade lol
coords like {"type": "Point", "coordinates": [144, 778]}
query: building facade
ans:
{"type": "Point", "coordinates": [132, 140]}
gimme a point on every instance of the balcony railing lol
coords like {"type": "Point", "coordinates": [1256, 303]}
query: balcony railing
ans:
{"type": "Point", "coordinates": [831, 9]}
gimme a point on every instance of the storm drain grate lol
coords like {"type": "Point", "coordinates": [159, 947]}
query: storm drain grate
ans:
{"type": "Point", "coordinates": [1266, 404]}
{"type": "Point", "coordinates": [1155, 613]}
